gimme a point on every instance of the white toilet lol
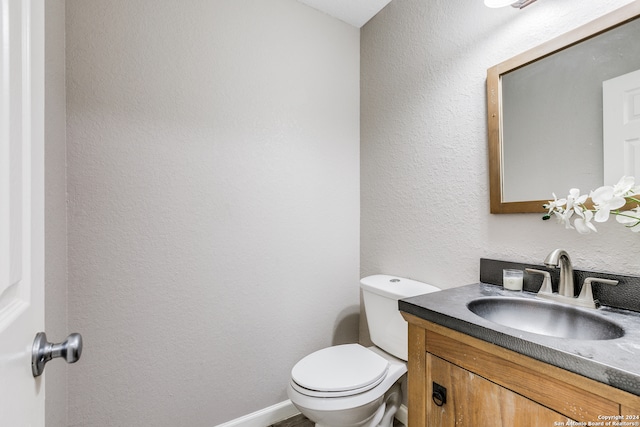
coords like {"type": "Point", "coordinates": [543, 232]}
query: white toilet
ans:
{"type": "Point", "coordinates": [351, 385]}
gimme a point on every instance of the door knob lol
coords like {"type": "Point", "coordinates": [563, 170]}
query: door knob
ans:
{"type": "Point", "coordinates": [43, 351]}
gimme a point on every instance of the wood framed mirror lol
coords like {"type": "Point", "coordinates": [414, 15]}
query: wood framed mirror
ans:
{"type": "Point", "coordinates": [541, 142]}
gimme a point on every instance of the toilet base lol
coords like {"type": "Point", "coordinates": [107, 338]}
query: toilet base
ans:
{"type": "Point", "coordinates": [382, 417]}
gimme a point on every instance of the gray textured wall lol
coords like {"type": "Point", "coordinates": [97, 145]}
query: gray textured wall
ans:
{"type": "Point", "coordinates": [424, 159]}
{"type": "Point", "coordinates": [213, 174]}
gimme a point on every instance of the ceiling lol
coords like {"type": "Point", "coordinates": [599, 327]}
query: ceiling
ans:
{"type": "Point", "coordinates": [354, 12]}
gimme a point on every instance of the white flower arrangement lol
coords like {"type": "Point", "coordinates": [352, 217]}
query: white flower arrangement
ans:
{"type": "Point", "coordinates": [606, 201]}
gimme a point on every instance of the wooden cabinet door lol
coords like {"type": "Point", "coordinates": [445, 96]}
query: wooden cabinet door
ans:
{"type": "Point", "coordinates": [475, 401]}
{"type": "Point", "coordinates": [631, 414]}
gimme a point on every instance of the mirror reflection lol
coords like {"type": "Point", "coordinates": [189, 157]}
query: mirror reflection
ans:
{"type": "Point", "coordinates": [546, 113]}
{"type": "Point", "coordinates": [552, 115]}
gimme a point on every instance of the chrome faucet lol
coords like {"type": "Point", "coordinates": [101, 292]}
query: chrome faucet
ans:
{"type": "Point", "coordinates": [560, 257]}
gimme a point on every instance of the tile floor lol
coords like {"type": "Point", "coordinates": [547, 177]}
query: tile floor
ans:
{"type": "Point", "coordinates": [295, 421]}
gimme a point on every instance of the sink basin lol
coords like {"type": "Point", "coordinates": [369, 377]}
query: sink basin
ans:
{"type": "Point", "coordinates": [546, 318]}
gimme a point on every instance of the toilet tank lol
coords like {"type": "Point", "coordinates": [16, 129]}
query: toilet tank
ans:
{"type": "Point", "coordinates": [387, 327]}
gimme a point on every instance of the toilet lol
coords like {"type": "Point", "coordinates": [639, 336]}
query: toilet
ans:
{"type": "Point", "coordinates": [351, 385]}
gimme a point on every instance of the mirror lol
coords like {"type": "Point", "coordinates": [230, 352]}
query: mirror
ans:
{"type": "Point", "coordinates": [545, 112]}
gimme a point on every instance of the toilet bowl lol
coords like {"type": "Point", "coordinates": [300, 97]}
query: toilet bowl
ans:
{"type": "Point", "coordinates": [362, 399]}
{"type": "Point", "coordinates": [351, 385]}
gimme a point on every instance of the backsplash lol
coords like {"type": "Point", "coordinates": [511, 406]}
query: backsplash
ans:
{"type": "Point", "coordinates": [625, 295]}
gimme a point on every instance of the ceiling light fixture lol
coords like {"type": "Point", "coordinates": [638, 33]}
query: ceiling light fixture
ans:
{"type": "Point", "coordinates": [501, 3]}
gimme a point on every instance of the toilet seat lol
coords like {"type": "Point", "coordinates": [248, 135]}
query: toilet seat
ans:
{"type": "Point", "coordinates": [344, 393]}
{"type": "Point", "coordinates": [339, 371]}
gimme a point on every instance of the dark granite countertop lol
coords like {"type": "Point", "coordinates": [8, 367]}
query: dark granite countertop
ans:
{"type": "Point", "coordinates": [615, 362]}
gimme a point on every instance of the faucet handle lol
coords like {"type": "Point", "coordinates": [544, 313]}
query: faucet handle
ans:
{"type": "Point", "coordinates": [546, 281]}
{"type": "Point", "coordinates": [590, 280]}
{"type": "Point", "coordinates": [586, 293]}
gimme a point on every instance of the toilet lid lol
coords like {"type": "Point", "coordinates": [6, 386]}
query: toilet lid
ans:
{"type": "Point", "coordinates": [340, 368]}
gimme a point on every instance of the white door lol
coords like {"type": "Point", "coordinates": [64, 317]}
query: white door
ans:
{"type": "Point", "coordinates": [21, 208]}
{"type": "Point", "coordinates": [621, 127]}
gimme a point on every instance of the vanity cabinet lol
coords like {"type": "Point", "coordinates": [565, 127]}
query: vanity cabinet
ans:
{"type": "Point", "coordinates": [488, 385]}
{"type": "Point", "coordinates": [475, 401]}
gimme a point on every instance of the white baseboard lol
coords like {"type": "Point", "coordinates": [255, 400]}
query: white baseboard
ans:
{"type": "Point", "coordinates": [265, 417]}
{"type": "Point", "coordinates": [283, 410]}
